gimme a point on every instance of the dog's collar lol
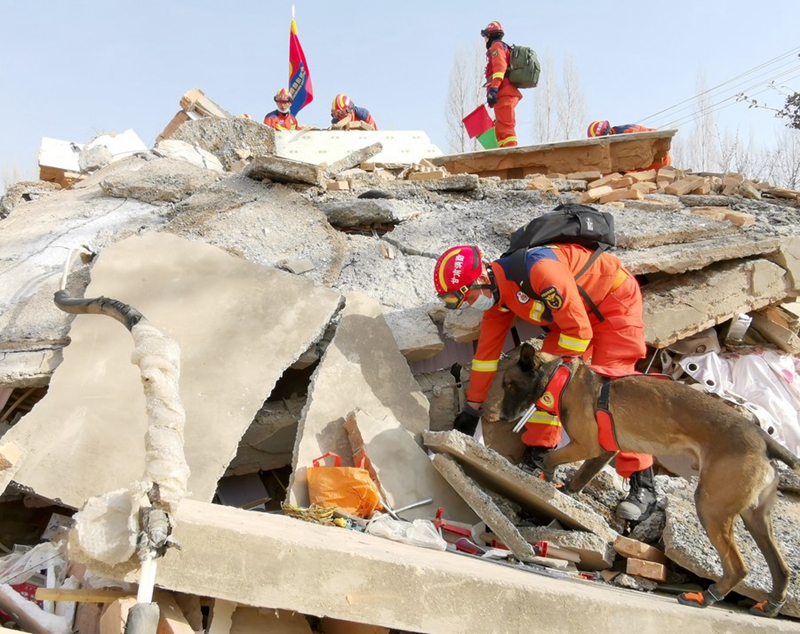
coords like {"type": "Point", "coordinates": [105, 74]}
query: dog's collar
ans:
{"type": "Point", "coordinates": [550, 401]}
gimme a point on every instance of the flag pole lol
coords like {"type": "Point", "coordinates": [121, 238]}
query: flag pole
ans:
{"type": "Point", "coordinates": [292, 12]}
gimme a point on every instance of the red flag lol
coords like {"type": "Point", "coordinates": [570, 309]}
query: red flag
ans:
{"type": "Point", "coordinates": [299, 76]}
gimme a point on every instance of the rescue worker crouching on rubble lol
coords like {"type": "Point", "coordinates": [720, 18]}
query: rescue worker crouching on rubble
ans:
{"type": "Point", "coordinates": [343, 106]}
{"type": "Point", "coordinates": [462, 277]}
{"type": "Point", "coordinates": [604, 128]}
{"type": "Point", "coordinates": [501, 94]}
{"type": "Point", "coordinates": [281, 118]}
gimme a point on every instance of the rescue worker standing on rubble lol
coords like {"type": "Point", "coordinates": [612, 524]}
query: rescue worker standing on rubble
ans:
{"type": "Point", "coordinates": [501, 94]}
{"type": "Point", "coordinates": [343, 106]}
{"type": "Point", "coordinates": [281, 118]}
{"type": "Point", "coordinates": [604, 128]}
{"type": "Point", "coordinates": [462, 277]}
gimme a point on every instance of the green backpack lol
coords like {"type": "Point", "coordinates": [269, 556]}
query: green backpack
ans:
{"type": "Point", "coordinates": [524, 69]}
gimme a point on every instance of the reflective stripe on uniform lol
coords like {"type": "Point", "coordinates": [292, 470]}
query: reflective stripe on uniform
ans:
{"type": "Point", "coordinates": [537, 311]}
{"type": "Point", "coordinates": [507, 140]}
{"type": "Point", "coordinates": [540, 417]}
{"type": "Point", "coordinates": [573, 343]}
{"type": "Point", "coordinates": [498, 75]}
{"type": "Point", "coordinates": [485, 366]}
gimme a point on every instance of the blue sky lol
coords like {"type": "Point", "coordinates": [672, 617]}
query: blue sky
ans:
{"type": "Point", "coordinates": [73, 70]}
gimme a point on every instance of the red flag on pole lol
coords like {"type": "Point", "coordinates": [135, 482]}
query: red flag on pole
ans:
{"type": "Point", "coordinates": [299, 75]}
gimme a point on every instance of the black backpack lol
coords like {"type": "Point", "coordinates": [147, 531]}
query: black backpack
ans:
{"type": "Point", "coordinates": [569, 223]}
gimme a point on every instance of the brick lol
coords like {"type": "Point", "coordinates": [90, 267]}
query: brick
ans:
{"type": "Point", "coordinates": [591, 195]}
{"type": "Point", "coordinates": [584, 176]}
{"type": "Point", "coordinates": [336, 186]}
{"type": "Point", "coordinates": [667, 174]}
{"type": "Point", "coordinates": [703, 189]}
{"type": "Point", "coordinates": [628, 547]}
{"type": "Point", "coordinates": [603, 181]}
{"type": "Point", "coordinates": [684, 186]}
{"type": "Point", "coordinates": [715, 213]}
{"type": "Point", "coordinates": [646, 176]}
{"type": "Point", "coordinates": [646, 569]}
{"type": "Point", "coordinates": [621, 183]}
{"type": "Point", "coordinates": [621, 194]}
{"type": "Point", "coordinates": [740, 219]}
{"type": "Point", "coordinates": [645, 187]}
{"type": "Point", "coordinates": [424, 176]}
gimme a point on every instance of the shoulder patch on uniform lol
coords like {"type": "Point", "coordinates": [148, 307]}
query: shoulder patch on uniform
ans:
{"type": "Point", "coordinates": [552, 297]}
{"type": "Point", "coordinates": [494, 53]}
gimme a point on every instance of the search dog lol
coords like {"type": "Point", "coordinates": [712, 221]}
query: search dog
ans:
{"type": "Point", "coordinates": [664, 417]}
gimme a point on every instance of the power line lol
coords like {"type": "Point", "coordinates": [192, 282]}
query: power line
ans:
{"type": "Point", "coordinates": [790, 53]}
{"type": "Point", "coordinates": [721, 105]}
{"type": "Point", "coordinates": [736, 87]}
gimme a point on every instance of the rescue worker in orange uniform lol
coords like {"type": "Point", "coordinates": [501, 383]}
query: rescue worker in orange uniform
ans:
{"type": "Point", "coordinates": [281, 118]}
{"type": "Point", "coordinates": [343, 106]}
{"type": "Point", "coordinates": [462, 277]}
{"type": "Point", "coordinates": [501, 94]}
{"type": "Point", "coordinates": [604, 128]}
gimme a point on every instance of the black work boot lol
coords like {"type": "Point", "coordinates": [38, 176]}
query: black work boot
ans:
{"type": "Point", "coordinates": [533, 462]}
{"type": "Point", "coordinates": [641, 499]}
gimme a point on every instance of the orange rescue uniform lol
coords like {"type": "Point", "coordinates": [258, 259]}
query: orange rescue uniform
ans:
{"type": "Point", "coordinates": [281, 121]}
{"type": "Point", "coordinates": [574, 331]}
{"type": "Point", "coordinates": [498, 58]}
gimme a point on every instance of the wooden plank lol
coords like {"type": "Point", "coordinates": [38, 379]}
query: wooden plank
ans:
{"type": "Point", "coordinates": [80, 595]}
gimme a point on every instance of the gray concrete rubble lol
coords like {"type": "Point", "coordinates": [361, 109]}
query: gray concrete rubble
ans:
{"type": "Point", "coordinates": [686, 543]}
{"type": "Point", "coordinates": [158, 180]}
{"type": "Point", "coordinates": [230, 140]}
{"type": "Point", "coordinates": [171, 281]}
{"type": "Point", "coordinates": [183, 151]}
{"type": "Point", "coordinates": [539, 498]}
{"type": "Point", "coordinates": [326, 571]}
{"type": "Point", "coordinates": [354, 159]}
{"type": "Point", "coordinates": [25, 191]}
{"type": "Point", "coordinates": [485, 507]}
{"type": "Point", "coordinates": [282, 170]}
{"type": "Point", "coordinates": [416, 335]}
{"type": "Point", "coordinates": [354, 213]}
{"type": "Point", "coordinates": [362, 368]}
{"type": "Point", "coordinates": [595, 552]}
{"type": "Point", "coordinates": [405, 471]}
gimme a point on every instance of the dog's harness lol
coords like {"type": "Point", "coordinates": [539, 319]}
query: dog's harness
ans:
{"type": "Point", "coordinates": [550, 401]}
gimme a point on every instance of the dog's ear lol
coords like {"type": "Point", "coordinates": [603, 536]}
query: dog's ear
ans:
{"type": "Point", "coordinates": [527, 357]}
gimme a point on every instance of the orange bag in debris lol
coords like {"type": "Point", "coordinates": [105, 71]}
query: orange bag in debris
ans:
{"type": "Point", "coordinates": [348, 488]}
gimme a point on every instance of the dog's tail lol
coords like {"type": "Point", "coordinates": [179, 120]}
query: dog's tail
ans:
{"type": "Point", "coordinates": [776, 451]}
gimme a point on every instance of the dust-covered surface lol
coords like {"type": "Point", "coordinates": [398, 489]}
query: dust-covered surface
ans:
{"type": "Point", "coordinates": [687, 544]}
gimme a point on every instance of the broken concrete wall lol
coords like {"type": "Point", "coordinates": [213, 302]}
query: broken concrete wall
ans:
{"type": "Point", "coordinates": [239, 326]}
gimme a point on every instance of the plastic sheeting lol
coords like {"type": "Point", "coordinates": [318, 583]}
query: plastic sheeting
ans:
{"type": "Point", "coordinates": [766, 382]}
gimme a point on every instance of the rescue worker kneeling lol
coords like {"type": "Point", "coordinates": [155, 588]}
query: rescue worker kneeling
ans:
{"type": "Point", "coordinates": [462, 277]}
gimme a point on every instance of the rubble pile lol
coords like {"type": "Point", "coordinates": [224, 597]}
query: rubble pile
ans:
{"type": "Point", "coordinates": [299, 293]}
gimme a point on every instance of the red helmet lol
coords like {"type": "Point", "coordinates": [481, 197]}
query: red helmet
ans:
{"type": "Point", "coordinates": [598, 128]}
{"type": "Point", "coordinates": [283, 95]}
{"type": "Point", "coordinates": [456, 270]}
{"type": "Point", "coordinates": [492, 28]}
{"type": "Point", "coordinates": [342, 104]}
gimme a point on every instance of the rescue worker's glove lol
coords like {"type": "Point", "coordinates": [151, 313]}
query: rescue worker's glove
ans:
{"type": "Point", "coordinates": [491, 96]}
{"type": "Point", "coordinates": [467, 421]}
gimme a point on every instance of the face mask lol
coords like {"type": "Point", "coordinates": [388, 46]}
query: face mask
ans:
{"type": "Point", "coordinates": [283, 109]}
{"type": "Point", "coordinates": [483, 302]}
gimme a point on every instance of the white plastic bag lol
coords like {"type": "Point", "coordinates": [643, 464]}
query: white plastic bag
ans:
{"type": "Point", "coordinates": [417, 533]}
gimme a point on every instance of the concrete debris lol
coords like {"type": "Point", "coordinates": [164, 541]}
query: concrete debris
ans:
{"type": "Point", "coordinates": [277, 370]}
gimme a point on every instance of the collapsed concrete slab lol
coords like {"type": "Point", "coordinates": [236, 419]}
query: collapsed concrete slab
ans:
{"type": "Point", "coordinates": [183, 151]}
{"type": "Point", "coordinates": [618, 153]}
{"type": "Point", "coordinates": [157, 180]}
{"type": "Point", "coordinates": [230, 363]}
{"type": "Point", "coordinates": [327, 571]}
{"type": "Point", "coordinates": [484, 506]}
{"type": "Point", "coordinates": [405, 471]}
{"type": "Point", "coordinates": [362, 368]}
{"type": "Point", "coordinates": [354, 159]}
{"type": "Point", "coordinates": [229, 140]}
{"type": "Point", "coordinates": [416, 335]}
{"type": "Point", "coordinates": [595, 552]}
{"type": "Point", "coordinates": [686, 543]}
{"type": "Point", "coordinates": [685, 304]}
{"type": "Point", "coordinates": [25, 191]}
{"type": "Point", "coordinates": [540, 498]}
{"type": "Point", "coordinates": [369, 211]}
{"type": "Point", "coordinates": [281, 170]}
